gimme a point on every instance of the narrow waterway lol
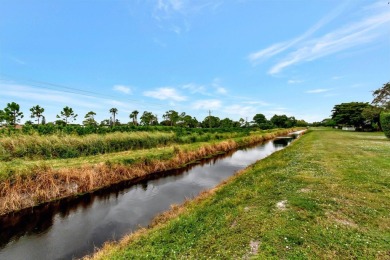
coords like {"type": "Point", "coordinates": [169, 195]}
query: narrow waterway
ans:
{"type": "Point", "coordinates": [72, 228]}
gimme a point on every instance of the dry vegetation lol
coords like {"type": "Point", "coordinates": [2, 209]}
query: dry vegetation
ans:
{"type": "Point", "coordinates": [43, 183]}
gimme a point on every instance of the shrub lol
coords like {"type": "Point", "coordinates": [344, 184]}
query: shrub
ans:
{"type": "Point", "coordinates": [385, 123]}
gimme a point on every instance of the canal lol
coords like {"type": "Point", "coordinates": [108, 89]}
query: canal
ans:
{"type": "Point", "coordinates": [72, 228]}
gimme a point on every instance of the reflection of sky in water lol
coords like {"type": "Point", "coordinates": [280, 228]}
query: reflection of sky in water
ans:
{"type": "Point", "coordinates": [116, 215]}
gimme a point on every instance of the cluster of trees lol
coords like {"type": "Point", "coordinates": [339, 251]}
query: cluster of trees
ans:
{"type": "Point", "coordinates": [11, 116]}
{"type": "Point", "coordinates": [362, 115]}
{"type": "Point", "coordinates": [358, 114]}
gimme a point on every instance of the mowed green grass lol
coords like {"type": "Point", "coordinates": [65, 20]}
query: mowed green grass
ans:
{"type": "Point", "coordinates": [327, 196]}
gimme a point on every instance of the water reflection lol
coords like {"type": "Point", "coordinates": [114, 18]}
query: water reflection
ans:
{"type": "Point", "coordinates": [282, 141]}
{"type": "Point", "coordinates": [73, 227]}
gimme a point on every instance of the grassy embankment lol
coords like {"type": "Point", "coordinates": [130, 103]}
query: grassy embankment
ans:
{"type": "Point", "coordinates": [326, 196]}
{"type": "Point", "coordinates": [28, 176]}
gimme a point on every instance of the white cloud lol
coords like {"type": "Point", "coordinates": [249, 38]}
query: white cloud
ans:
{"type": "Point", "coordinates": [216, 84]}
{"type": "Point", "coordinates": [243, 111]}
{"type": "Point", "coordinates": [269, 52]}
{"type": "Point", "coordinates": [207, 104]}
{"type": "Point", "coordinates": [277, 111]}
{"type": "Point", "coordinates": [292, 81]}
{"type": "Point", "coordinates": [282, 46]}
{"type": "Point", "coordinates": [212, 89]}
{"type": "Point", "coordinates": [167, 5]}
{"type": "Point", "coordinates": [221, 90]}
{"type": "Point", "coordinates": [318, 90]}
{"type": "Point", "coordinates": [175, 15]}
{"type": "Point", "coordinates": [304, 49]}
{"type": "Point", "coordinates": [123, 89]}
{"type": "Point", "coordinates": [351, 35]}
{"type": "Point", "coordinates": [166, 9]}
{"type": "Point", "coordinates": [29, 93]}
{"type": "Point", "coordinates": [165, 93]}
{"type": "Point", "coordinates": [195, 88]}
{"type": "Point", "coordinates": [259, 103]}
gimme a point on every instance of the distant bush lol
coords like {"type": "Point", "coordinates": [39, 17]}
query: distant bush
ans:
{"type": "Point", "coordinates": [385, 123]}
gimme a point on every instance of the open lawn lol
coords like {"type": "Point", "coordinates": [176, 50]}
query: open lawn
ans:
{"type": "Point", "coordinates": [326, 196]}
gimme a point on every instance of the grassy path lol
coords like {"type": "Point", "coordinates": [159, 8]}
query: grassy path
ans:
{"type": "Point", "coordinates": [327, 196]}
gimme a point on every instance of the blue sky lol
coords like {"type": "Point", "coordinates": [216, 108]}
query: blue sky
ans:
{"type": "Point", "coordinates": [236, 58]}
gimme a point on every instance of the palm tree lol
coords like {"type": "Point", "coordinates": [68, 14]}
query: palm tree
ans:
{"type": "Point", "coordinates": [113, 111]}
{"type": "Point", "coordinates": [134, 115]}
{"type": "Point", "coordinates": [67, 113]}
{"type": "Point", "coordinates": [37, 111]}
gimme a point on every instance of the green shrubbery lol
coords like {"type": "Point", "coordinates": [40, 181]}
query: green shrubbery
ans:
{"type": "Point", "coordinates": [385, 123]}
{"type": "Point", "coordinates": [52, 129]}
{"type": "Point", "coordinates": [70, 146]}
{"type": "Point", "coordinates": [67, 145]}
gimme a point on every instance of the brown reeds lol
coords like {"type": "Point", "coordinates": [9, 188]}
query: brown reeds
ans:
{"type": "Point", "coordinates": [46, 184]}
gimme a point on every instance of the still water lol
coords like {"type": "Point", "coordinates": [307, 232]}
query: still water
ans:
{"type": "Point", "coordinates": [72, 228]}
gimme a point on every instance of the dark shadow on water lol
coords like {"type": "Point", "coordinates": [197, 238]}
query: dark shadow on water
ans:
{"type": "Point", "coordinates": [282, 142]}
{"type": "Point", "coordinates": [38, 219]}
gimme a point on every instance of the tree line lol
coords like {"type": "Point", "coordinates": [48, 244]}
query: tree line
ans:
{"type": "Point", "coordinates": [364, 116]}
{"type": "Point", "coordinates": [11, 116]}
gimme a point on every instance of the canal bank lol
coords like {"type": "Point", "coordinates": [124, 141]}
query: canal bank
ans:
{"type": "Point", "coordinates": [73, 229]}
{"type": "Point", "coordinates": [50, 180]}
{"type": "Point", "coordinates": [325, 197]}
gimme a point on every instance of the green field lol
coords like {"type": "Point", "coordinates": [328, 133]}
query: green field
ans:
{"type": "Point", "coordinates": [327, 196]}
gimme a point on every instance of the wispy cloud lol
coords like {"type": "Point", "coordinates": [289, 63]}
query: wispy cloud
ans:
{"type": "Point", "coordinates": [195, 88]}
{"type": "Point", "coordinates": [258, 103]}
{"type": "Point", "coordinates": [294, 81]}
{"type": "Point", "coordinates": [174, 15]}
{"type": "Point", "coordinates": [277, 48]}
{"type": "Point", "coordinates": [123, 89]}
{"type": "Point", "coordinates": [351, 35]}
{"type": "Point", "coordinates": [239, 110]}
{"type": "Point", "coordinates": [35, 94]}
{"type": "Point", "coordinates": [213, 89]}
{"type": "Point", "coordinates": [217, 85]}
{"type": "Point", "coordinates": [170, 5]}
{"type": "Point", "coordinates": [166, 93]}
{"type": "Point", "coordinates": [18, 61]}
{"type": "Point", "coordinates": [207, 104]}
{"type": "Point", "coordinates": [318, 90]}
{"type": "Point", "coordinates": [305, 48]}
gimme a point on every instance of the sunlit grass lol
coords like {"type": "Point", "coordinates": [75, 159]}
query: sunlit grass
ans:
{"type": "Point", "coordinates": [327, 196]}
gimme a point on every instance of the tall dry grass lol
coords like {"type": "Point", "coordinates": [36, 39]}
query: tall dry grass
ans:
{"type": "Point", "coordinates": [71, 146]}
{"type": "Point", "coordinates": [46, 184]}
